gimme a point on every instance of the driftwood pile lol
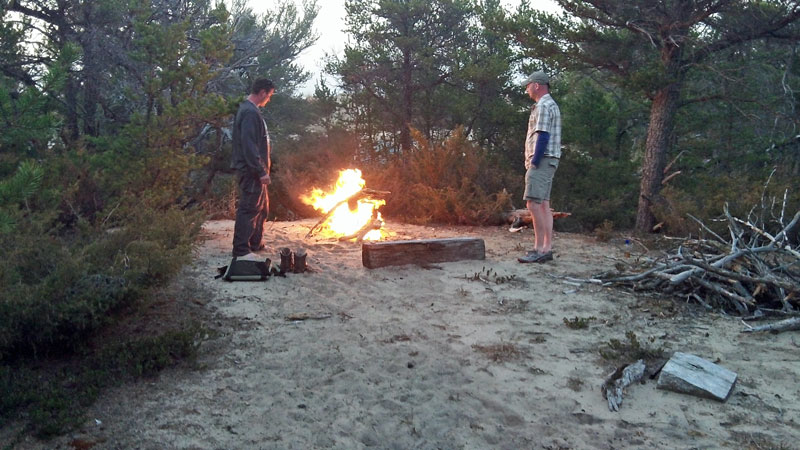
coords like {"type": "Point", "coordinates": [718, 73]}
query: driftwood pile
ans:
{"type": "Point", "coordinates": [752, 271]}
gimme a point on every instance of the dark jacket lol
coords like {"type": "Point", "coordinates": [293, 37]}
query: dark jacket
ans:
{"type": "Point", "coordinates": [251, 145]}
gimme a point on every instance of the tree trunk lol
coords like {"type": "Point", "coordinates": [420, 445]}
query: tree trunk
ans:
{"type": "Point", "coordinates": [91, 77]}
{"type": "Point", "coordinates": [71, 105]}
{"type": "Point", "coordinates": [662, 119]}
{"type": "Point", "coordinates": [408, 98]}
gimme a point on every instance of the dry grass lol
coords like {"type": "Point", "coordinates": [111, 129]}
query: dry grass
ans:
{"type": "Point", "coordinates": [501, 352]}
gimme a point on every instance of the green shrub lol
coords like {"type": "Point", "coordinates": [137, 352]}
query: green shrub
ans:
{"type": "Point", "coordinates": [453, 181]}
{"type": "Point", "coordinates": [56, 291]}
{"type": "Point", "coordinates": [55, 398]}
{"type": "Point", "coordinates": [704, 195]}
{"type": "Point", "coordinates": [595, 191]}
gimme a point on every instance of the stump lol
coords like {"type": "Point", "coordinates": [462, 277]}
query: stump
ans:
{"type": "Point", "coordinates": [421, 252]}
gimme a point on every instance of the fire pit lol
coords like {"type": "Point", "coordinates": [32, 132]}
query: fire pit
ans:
{"type": "Point", "coordinates": [351, 210]}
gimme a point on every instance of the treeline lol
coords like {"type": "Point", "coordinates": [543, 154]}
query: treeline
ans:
{"type": "Point", "coordinates": [116, 128]}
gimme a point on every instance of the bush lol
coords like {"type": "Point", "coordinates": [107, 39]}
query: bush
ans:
{"type": "Point", "coordinates": [56, 397]}
{"type": "Point", "coordinates": [595, 191]}
{"type": "Point", "coordinates": [453, 181]}
{"type": "Point", "coordinates": [704, 195]}
{"type": "Point", "coordinates": [56, 291]}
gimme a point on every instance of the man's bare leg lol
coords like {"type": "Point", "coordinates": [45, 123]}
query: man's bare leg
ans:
{"type": "Point", "coordinates": [547, 224]}
{"type": "Point", "coordinates": [538, 225]}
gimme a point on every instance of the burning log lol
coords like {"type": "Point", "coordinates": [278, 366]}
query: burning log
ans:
{"type": "Point", "coordinates": [351, 201]}
{"type": "Point", "coordinates": [374, 224]}
{"type": "Point", "coordinates": [421, 252]}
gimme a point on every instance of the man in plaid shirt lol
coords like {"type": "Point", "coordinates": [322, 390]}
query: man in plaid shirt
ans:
{"type": "Point", "coordinates": [542, 153]}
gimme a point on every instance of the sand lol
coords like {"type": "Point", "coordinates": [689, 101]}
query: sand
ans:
{"type": "Point", "coordinates": [434, 358]}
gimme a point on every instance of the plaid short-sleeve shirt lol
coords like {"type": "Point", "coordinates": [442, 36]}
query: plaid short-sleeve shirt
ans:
{"type": "Point", "coordinates": [545, 116]}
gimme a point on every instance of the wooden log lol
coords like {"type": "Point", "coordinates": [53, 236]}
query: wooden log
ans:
{"type": "Point", "coordinates": [523, 216]}
{"type": "Point", "coordinates": [690, 374]}
{"type": "Point", "coordinates": [421, 252]}
{"type": "Point", "coordinates": [792, 324]}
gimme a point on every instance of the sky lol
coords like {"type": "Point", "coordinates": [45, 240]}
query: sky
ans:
{"type": "Point", "coordinates": [329, 25]}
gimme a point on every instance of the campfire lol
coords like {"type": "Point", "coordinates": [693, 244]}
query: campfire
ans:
{"type": "Point", "coordinates": [351, 210]}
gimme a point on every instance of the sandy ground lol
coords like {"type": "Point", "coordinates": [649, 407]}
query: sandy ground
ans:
{"type": "Point", "coordinates": [433, 358]}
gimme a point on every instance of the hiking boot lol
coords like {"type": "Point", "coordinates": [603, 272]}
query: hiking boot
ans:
{"type": "Point", "coordinates": [535, 257]}
{"type": "Point", "coordinates": [300, 261]}
{"type": "Point", "coordinates": [286, 261]}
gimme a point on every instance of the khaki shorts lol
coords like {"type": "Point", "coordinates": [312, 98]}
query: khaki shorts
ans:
{"type": "Point", "coordinates": [539, 181]}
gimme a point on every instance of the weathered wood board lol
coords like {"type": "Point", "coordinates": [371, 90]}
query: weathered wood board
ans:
{"type": "Point", "coordinates": [690, 374]}
{"type": "Point", "coordinates": [423, 251]}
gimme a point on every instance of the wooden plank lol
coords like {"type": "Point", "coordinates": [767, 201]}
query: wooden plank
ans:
{"type": "Point", "coordinates": [690, 374]}
{"type": "Point", "coordinates": [424, 251]}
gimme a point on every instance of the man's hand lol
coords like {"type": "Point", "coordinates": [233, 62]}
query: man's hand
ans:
{"type": "Point", "coordinates": [265, 180]}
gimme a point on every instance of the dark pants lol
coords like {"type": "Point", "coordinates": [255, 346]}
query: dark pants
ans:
{"type": "Point", "coordinates": [251, 213]}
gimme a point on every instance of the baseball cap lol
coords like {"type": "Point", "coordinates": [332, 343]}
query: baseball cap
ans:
{"type": "Point", "coordinates": [536, 77]}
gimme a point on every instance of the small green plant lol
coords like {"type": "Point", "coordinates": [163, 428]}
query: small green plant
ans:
{"type": "Point", "coordinates": [632, 350]}
{"type": "Point", "coordinates": [579, 323]}
{"type": "Point", "coordinates": [490, 276]}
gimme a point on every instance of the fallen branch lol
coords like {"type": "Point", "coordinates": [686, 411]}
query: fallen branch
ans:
{"type": "Point", "coordinates": [621, 378]}
{"type": "Point", "coordinates": [792, 324]}
{"type": "Point", "coordinates": [756, 268]}
{"type": "Point", "coordinates": [306, 316]}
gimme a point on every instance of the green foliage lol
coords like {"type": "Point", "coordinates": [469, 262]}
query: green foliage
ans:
{"type": "Point", "coordinates": [432, 66]}
{"type": "Point", "coordinates": [594, 190]}
{"type": "Point", "coordinates": [16, 191]}
{"type": "Point", "coordinates": [23, 185]}
{"type": "Point", "coordinates": [704, 194]}
{"type": "Point", "coordinates": [632, 350]}
{"type": "Point", "coordinates": [55, 399]}
{"type": "Point", "coordinates": [54, 293]}
{"type": "Point", "coordinates": [579, 323]}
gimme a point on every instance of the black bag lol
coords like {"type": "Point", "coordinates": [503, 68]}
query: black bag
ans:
{"type": "Point", "coordinates": [245, 270]}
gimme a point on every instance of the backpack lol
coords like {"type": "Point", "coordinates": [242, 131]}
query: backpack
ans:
{"type": "Point", "coordinates": [245, 270]}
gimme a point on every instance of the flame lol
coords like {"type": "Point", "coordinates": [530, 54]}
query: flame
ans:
{"type": "Point", "coordinates": [345, 221]}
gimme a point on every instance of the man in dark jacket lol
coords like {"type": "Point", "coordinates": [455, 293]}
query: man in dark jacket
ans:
{"type": "Point", "coordinates": [251, 159]}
